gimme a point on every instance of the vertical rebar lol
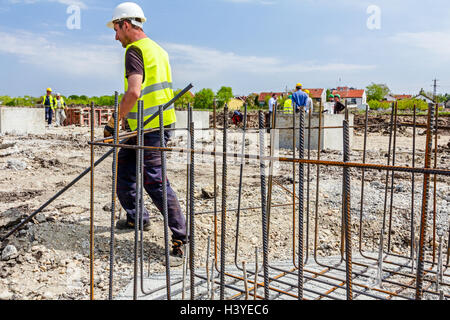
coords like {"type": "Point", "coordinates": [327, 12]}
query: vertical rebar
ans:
{"type": "Point", "coordinates": [215, 176]}
{"type": "Point", "coordinates": [347, 213]}
{"type": "Point", "coordinates": [244, 271]}
{"type": "Point", "coordinates": [301, 147]}
{"type": "Point", "coordinates": [185, 258]}
{"type": "Point", "coordinates": [387, 176]}
{"type": "Point", "coordinates": [270, 179]}
{"type": "Point", "coordinates": [213, 264]}
{"type": "Point", "coordinates": [294, 146]}
{"type": "Point", "coordinates": [263, 205]}
{"type": "Point", "coordinates": [363, 171]}
{"type": "Point", "coordinates": [308, 172]}
{"type": "Point", "coordinates": [394, 147]}
{"type": "Point", "coordinates": [208, 251]}
{"type": "Point", "coordinates": [241, 173]}
{"type": "Point", "coordinates": [224, 205]}
{"type": "Point", "coordinates": [91, 219]}
{"type": "Point", "coordinates": [113, 196]}
{"type": "Point", "coordinates": [192, 210]}
{"type": "Point", "coordinates": [138, 219]}
{"type": "Point", "coordinates": [256, 273]}
{"type": "Point", "coordinates": [413, 165]}
{"type": "Point", "coordinates": [162, 143]}
{"type": "Point", "coordinates": [436, 137]}
{"type": "Point", "coordinates": [425, 196]}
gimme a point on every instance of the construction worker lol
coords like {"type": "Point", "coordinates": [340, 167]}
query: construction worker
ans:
{"type": "Point", "coordinates": [60, 106]}
{"type": "Point", "coordinates": [288, 105]}
{"type": "Point", "coordinates": [148, 78]}
{"type": "Point", "coordinates": [299, 98]}
{"type": "Point", "coordinates": [237, 117]}
{"type": "Point", "coordinates": [329, 105]}
{"type": "Point", "coordinates": [309, 103]}
{"type": "Point", "coordinates": [331, 98]}
{"type": "Point", "coordinates": [338, 105]}
{"type": "Point", "coordinates": [272, 101]}
{"type": "Point", "coordinates": [49, 103]}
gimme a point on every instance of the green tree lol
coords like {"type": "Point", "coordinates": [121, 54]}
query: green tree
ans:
{"type": "Point", "coordinates": [223, 96]}
{"type": "Point", "coordinates": [204, 99]}
{"type": "Point", "coordinates": [184, 100]}
{"type": "Point", "coordinates": [252, 101]}
{"type": "Point", "coordinates": [377, 91]}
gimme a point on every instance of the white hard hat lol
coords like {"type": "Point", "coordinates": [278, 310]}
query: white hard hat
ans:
{"type": "Point", "coordinates": [58, 94]}
{"type": "Point", "coordinates": [128, 10]}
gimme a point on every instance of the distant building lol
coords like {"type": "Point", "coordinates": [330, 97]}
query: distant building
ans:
{"type": "Point", "coordinates": [236, 103]}
{"type": "Point", "coordinates": [262, 96]}
{"type": "Point", "coordinates": [397, 97]}
{"type": "Point", "coordinates": [422, 96]}
{"type": "Point", "coordinates": [318, 95]}
{"type": "Point", "coordinates": [351, 95]}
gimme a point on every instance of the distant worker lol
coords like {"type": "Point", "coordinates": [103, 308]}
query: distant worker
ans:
{"type": "Point", "coordinates": [148, 78]}
{"type": "Point", "coordinates": [272, 102]}
{"type": "Point", "coordinates": [338, 105]}
{"type": "Point", "coordinates": [237, 118]}
{"type": "Point", "coordinates": [288, 105]}
{"type": "Point", "coordinates": [49, 103]}
{"type": "Point", "coordinates": [299, 98]}
{"type": "Point", "coordinates": [60, 114]}
{"type": "Point", "coordinates": [309, 102]}
{"type": "Point", "coordinates": [329, 105]}
{"type": "Point", "coordinates": [331, 98]}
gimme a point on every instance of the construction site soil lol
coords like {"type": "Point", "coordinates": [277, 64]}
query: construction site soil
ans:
{"type": "Point", "coordinates": [49, 257]}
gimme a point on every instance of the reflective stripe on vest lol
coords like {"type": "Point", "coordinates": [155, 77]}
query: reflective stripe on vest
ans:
{"type": "Point", "coordinates": [52, 101]}
{"type": "Point", "coordinates": [62, 103]}
{"type": "Point", "coordinates": [156, 89]}
{"type": "Point", "coordinates": [288, 106]}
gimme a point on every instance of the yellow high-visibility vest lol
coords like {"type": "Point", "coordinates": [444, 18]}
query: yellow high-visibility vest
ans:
{"type": "Point", "coordinates": [62, 103]}
{"type": "Point", "coordinates": [52, 101]}
{"type": "Point", "coordinates": [156, 89]}
{"type": "Point", "coordinates": [288, 107]}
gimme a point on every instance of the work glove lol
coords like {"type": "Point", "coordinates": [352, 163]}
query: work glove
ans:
{"type": "Point", "coordinates": [109, 128]}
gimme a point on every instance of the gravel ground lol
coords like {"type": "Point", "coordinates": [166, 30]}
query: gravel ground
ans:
{"type": "Point", "coordinates": [49, 258]}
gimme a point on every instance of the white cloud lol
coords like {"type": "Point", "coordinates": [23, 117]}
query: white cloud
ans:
{"type": "Point", "coordinates": [78, 3]}
{"type": "Point", "coordinates": [206, 62]}
{"type": "Point", "coordinates": [99, 61]}
{"type": "Point", "coordinates": [436, 42]}
{"type": "Point", "coordinates": [263, 2]}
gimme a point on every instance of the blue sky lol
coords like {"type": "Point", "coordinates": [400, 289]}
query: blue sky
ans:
{"type": "Point", "coordinates": [250, 45]}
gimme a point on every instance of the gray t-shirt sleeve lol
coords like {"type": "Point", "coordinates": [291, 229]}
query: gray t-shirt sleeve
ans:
{"type": "Point", "coordinates": [134, 63]}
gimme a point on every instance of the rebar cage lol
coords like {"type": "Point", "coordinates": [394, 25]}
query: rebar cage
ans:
{"type": "Point", "coordinates": [367, 266]}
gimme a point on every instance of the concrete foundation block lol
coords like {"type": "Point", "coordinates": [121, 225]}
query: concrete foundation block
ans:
{"type": "Point", "coordinates": [22, 120]}
{"type": "Point", "coordinates": [201, 119]}
{"type": "Point", "coordinates": [331, 139]}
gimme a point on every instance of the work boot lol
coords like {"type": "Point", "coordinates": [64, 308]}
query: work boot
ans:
{"type": "Point", "coordinates": [176, 256]}
{"type": "Point", "coordinates": [125, 224]}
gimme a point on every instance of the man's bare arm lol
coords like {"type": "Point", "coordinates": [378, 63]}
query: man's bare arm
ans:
{"type": "Point", "coordinates": [132, 95]}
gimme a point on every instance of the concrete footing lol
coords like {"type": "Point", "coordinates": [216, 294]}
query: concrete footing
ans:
{"type": "Point", "coordinates": [200, 118]}
{"type": "Point", "coordinates": [22, 120]}
{"type": "Point", "coordinates": [331, 138]}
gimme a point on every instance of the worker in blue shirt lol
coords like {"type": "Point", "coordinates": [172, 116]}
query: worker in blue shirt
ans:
{"type": "Point", "coordinates": [299, 98]}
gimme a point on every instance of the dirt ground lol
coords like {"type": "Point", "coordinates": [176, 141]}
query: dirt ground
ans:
{"type": "Point", "coordinates": [52, 258]}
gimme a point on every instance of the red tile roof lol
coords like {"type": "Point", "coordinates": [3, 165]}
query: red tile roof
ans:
{"type": "Point", "coordinates": [263, 95]}
{"type": "Point", "coordinates": [315, 93]}
{"type": "Point", "coordinates": [349, 93]}
{"type": "Point", "coordinates": [402, 96]}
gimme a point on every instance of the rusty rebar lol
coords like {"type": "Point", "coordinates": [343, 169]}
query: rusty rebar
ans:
{"type": "Point", "coordinates": [425, 196]}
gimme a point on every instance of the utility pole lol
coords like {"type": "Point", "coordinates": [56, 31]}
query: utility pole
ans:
{"type": "Point", "coordinates": [435, 90]}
